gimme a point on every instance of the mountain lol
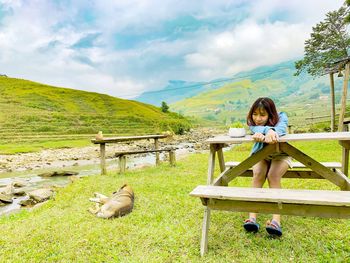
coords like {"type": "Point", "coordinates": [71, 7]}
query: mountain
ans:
{"type": "Point", "coordinates": [177, 90]}
{"type": "Point", "coordinates": [29, 108]}
{"type": "Point", "coordinates": [300, 96]}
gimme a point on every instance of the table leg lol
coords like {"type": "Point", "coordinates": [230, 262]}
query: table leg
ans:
{"type": "Point", "coordinates": [156, 147]}
{"type": "Point", "coordinates": [345, 156]}
{"type": "Point", "coordinates": [206, 218]}
{"type": "Point", "coordinates": [205, 231]}
{"type": "Point", "coordinates": [103, 158]}
{"type": "Point", "coordinates": [221, 157]}
{"type": "Point", "coordinates": [345, 161]}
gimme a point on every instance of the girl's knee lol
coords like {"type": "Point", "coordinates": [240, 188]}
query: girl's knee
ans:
{"type": "Point", "coordinates": [259, 175]}
{"type": "Point", "coordinates": [274, 178]}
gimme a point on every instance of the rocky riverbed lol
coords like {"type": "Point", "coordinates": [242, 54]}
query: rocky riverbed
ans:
{"type": "Point", "coordinates": [192, 141]}
{"type": "Point", "coordinates": [29, 179]}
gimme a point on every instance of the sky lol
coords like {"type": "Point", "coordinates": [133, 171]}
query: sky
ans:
{"type": "Point", "coordinates": [126, 47]}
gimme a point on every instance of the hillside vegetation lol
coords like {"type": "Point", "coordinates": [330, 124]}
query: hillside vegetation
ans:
{"type": "Point", "coordinates": [32, 112]}
{"type": "Point", "coordinates": [304, 99]}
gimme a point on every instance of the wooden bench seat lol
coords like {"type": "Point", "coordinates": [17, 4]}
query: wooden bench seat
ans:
{"type": "Point", "coordinates": [122, 156]}
{"type": "Point", "coordinates": [299, 170]}
{"type": "Point", "coordinates": [321, 203]}
{"type": "Point", "coordinates": [334, 165]}
{"type": "Point", "coordinates": [117, 154]}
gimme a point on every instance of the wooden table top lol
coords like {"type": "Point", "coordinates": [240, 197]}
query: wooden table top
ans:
{"type": "Point", "coordinates": [339, 136]}
{"type": "Point", "coordinates": [128, 138]}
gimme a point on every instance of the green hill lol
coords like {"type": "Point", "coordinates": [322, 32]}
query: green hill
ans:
{"type": "Point", "coordinates": [302, 97]}
{"type": "Point", "coordinates": [32, 111]}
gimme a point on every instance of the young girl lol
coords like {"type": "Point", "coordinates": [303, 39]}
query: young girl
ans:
{"type": "Point", "coordinates": [267, 125]}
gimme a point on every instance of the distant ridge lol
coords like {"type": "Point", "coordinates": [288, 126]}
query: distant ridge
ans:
{"type": "Point", "coordinates": [300, 97]}
{"type": "Point", "coordinates": [177, 90]}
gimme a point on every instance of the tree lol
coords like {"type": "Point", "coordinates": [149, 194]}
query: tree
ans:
{"type": "Point", "coordinates": [347, 18]}
{"type": "Point", "coordinates": [164, 107]}
{"type": "Point", "coordinates": [328, 43]}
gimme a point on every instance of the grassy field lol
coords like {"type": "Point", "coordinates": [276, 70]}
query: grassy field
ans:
{"type": "Point", "coordinates": [35, 114]}
{"type": "Point", "coordinates": [165, 225]}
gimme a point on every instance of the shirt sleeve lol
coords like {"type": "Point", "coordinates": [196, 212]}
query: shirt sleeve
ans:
{"type": "Point", "coordinates": [280, 127]}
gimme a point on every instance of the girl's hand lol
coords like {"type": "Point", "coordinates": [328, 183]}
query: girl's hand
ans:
{"type": "Point", "coordinates": [271, 137]}
{"type": "Point", "coordinates": [258, 137]}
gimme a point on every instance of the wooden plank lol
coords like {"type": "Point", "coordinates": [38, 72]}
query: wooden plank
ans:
{"type": "Point", "coordinates": [295, 164]}
{"type": "Point", "coordinates": [128, 138]}
{"type": "Point", "coordinates": [280, 208]}
{"type": "Point", "coordinates": [274, 195]}
{"type": "Point", "coordinates": [298, 174]}
{"type": "Point", "coordinates": [230, 174]}
{"type": "Point", "coordinates": [340, 136]}
{"type": "Point", "coordinates": [142, 151]}
{"type": "Point", "coordinates": [103, 158]}
{"type": "Point", "coordinates": [315, 166]}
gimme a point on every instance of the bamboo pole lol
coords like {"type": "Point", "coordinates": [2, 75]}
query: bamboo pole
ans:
{"type": "Point", "coordinates": [331, 77]}
{"type": "Point", "coordinates": [343, 98]}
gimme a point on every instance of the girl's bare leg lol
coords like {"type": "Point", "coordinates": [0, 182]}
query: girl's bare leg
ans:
{"type": "Point", "coordinates": [277, 169]}
{"type": "Point", "coordinates": [259, 177]}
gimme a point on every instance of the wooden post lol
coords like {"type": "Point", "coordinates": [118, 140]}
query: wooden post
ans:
{"type": "Point", "coordinates": [206, 218]}
{"type": "Point", "coordinates": [343, 98]}
{"type": "Point", "coordinates": [172, 157]}
{"type": "Point", "coordinates": [156, 147]}
{"type": "Point", "coordinates": [331, 77]}
{"type": "Point", "coordinates": [345, 156]}
{"type": "Point", "coordinates": [103, 158]}
{"type": "Point", "coordinates": [122, 164]}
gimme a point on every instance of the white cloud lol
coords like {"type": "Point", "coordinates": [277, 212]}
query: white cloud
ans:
{"type": "Point", "coordinates": [247, 46]}
{"type": "Point", "coordinates": [36, 39]}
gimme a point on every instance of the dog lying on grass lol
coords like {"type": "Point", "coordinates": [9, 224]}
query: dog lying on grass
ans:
{"type": "Point", "coordinates": [119, 204]}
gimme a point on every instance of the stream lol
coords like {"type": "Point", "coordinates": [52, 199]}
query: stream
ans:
{"type": "Point", "coordinates": [32, 180]}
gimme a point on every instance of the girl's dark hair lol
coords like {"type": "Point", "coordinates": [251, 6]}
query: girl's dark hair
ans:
{"type": "Point", "coordinates": [269, 106]}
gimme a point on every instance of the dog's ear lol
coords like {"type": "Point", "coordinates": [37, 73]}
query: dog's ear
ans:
{"type": "Point", "coordinates": [123, 186]}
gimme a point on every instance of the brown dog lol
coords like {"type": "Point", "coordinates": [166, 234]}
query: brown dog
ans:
{"type": "Point", "coordinates": [119, 204]}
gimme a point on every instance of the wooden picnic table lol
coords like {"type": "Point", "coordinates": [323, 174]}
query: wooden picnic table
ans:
{"type": "Point", "coordinates": [215, 196]}
{"type": "Point", "coordinates": [219, 142]}
{"type": "Point", "coordinates": [104, 141]}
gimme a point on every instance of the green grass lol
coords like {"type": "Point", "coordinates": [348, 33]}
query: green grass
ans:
{"type": "Point", "coordinates": [165, 225]}
{"type": "Point", "coordinates": [25, 147]}
{"type": "Point", "coordinates": [29, 109]}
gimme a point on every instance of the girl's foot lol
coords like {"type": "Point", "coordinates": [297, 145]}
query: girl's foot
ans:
{"type": "Point", "coordinates": [250, 225]}
{"type": "Point", "coordinates": [274, 228]}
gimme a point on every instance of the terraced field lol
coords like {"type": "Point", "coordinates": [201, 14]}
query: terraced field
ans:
{"type": "Point", "coordinates": [35, 113]}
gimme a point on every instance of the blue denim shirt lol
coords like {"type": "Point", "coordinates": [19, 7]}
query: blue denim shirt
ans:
{"type": "Point", "coordinates": [280, 128]}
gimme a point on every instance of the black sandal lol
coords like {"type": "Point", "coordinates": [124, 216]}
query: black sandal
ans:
{"type": "Point", "coordinates": [250, 225]}
{"type": "Point", "coordinates": [274, 228]}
